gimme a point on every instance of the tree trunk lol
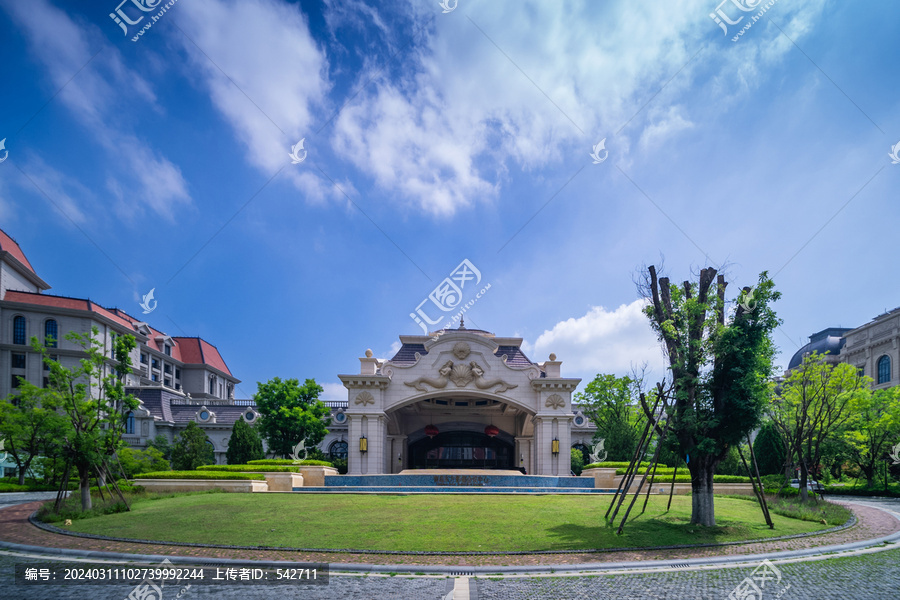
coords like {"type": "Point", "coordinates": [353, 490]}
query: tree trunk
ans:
{"type": "Point", "coordinates": [870, 475]}
{"type": "Point", "coordinates": [804, 477]}
{"type": "Point", "coordinates": [22, 475]}
{"type": "Point", "coordinates": [703, 511]}
{"type": "Point", "coordinates": [84, 477]}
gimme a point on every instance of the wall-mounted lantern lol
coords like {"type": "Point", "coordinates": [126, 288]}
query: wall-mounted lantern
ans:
{"type": "Point", "coordinates": [363, 444]}
{"type": "Point", "coordinates": [554, 446]}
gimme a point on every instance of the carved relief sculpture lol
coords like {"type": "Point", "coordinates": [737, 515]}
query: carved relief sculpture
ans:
{"type": "Point", "coordinates": [555, 401]}
{"type": "Point", "coordinates": [365, 398]}
{"type": "Point", "coordinates": [439, 383]}
{"type": "Point", "coordinates": [482, 384]}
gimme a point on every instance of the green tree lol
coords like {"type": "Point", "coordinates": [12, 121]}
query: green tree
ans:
{"type": "Point", "coordinates": [769, 449]}
{"type": "Point", "coordinates": [873, 428]}
{"type": "Point", "coordinates": [577, 461]}
{"type": "Point", "coordinates": [719, 368]}
{"type": "Point", "coordinates": [192, 449]}
{"type": "Point", "coordinates": [134, 462]}
{"type": "Point", "coordinates": [815, 401]}
{"type": "Point", "coordinates": [92, 397]}
{"type": "Point", "coordinates": [244, 445]}
{"type": "Point", "coordinates": [161, 443]}
{"type": "Point", "coordinates": [289, 413]}
{"type": "Point", "coordinates": [611, 404]}
{"type": "Point", "coordinates": [28, 429]}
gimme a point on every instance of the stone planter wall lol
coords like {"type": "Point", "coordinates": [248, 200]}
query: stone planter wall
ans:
{"type": "Point", "coordinates": [283, 482]}
{"type": "Point", "coordinates": [315, 476]}
{"type": "Point", "coordinates": [196, 485]}
{"type": "Point", "coordinates": [603, 478]}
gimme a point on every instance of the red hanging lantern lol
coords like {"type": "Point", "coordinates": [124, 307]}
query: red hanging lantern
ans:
{"type": "Point", "coordinates": [491, 430]}
{"type": "Point", "coordinates": [431, 431]}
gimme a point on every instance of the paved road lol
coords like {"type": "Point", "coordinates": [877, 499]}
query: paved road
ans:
{"type": "Point", "coordinates": [867, 577]}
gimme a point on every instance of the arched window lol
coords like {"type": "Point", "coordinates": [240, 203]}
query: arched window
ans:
{"type": "Point", "coordinates": [585, 451]}
{"type": "Point", "coordinates": [129, 424]}
{"type": "Point", "coordinates": [884, 369]}
{"type": "Point", "coordinates": [338, 450]}
{"type": "Point", "coordinates": [212, 450]}
{"type": "Point", "coordinates": [212, 385]}
{"type": "Point", "coordinates": [19, 330]}
{"type": "Point", "coordinates": [51, 331]}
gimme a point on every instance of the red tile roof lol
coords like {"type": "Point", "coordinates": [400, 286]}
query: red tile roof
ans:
{"type": "Point", "coordinates": [7, 244]}
{"type": "Point", "coordinates": [195, 350]}
{"type": "Point", "coordinates": [65, 302]}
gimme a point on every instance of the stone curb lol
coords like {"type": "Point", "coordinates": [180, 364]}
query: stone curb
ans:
{"type": "Point", "coordinates": [58, 530]}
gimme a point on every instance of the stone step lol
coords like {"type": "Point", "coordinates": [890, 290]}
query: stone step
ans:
{"type": "Point", "coordinates": [482, 479]}
{"type": "Point", "coordinates": [370, 489]}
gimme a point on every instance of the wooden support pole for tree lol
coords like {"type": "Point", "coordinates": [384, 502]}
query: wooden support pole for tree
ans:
{"type": "Point", "coordinates": [637, 492]}
{"type": "Point", "coordinates": [63, 488]}
{"type": "Point", "coordinates": [659, 443]}
{"type": "Point", "coordinates": [631, 465]}
{"type": "Point", "coordinates": [762, 490]}
{"type": "Point", "coordinates": [646, 446]}
{"type": "Point", "coordinates": [760, 497]}
{"type": "Point", "coordinates": [672, 488]}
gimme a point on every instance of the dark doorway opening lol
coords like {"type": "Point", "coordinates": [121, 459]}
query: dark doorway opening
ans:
{"type": "Point", "coordinates": [461, 450]}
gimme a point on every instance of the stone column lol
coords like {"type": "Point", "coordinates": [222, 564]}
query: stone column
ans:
{"type": "Point", "coordinates": [565, 445]}
{"type": "Point", "coordinates": [542, 437]}
{"type": "Point", "coordinates": [525, 454]}
{"type": "Point", "coordinates": [355, 460]}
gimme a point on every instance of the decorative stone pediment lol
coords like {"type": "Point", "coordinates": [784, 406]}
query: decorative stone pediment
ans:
{"type": "Point", "coordinates": [461, 375]}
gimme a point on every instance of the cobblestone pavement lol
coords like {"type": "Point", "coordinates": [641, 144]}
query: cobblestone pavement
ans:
{"type": "Point", "coordinates": [873, 576]}
{"type": "Point", "coordinates": [14, 527]}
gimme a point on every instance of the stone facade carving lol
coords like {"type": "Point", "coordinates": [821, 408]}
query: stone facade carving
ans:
{"type": "Point", "coordinates": [555, 401]}
{"type": "Point", "coordinates": [365, 398]}
{"type": "Point", "coordinates": [461, 350]}
{"type": "Point", "coordinates": [461, 375]}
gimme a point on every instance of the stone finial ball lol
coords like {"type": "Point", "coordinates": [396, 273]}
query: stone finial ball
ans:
{"type": "Point", "coordinates": [369, 353]}
{"type": "Point", "coordinates": [552, 356]}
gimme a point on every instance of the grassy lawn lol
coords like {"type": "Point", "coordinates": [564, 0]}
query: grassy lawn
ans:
{"type": "Point", "coordinates": [429, 522]}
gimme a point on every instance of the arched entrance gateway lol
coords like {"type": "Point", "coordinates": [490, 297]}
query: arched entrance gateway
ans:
{"type": "Point", "coordinates": [463, 399]}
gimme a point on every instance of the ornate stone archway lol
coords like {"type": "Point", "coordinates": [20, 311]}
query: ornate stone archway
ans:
{"type": "Point", "coordinates": [460, 376]}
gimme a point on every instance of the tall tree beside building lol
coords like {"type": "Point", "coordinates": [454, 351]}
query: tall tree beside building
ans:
{"type": "Point", "coordinates": [29, 429]}
{"type": "Point", "coordinates": [93, 399]}
{"type": "Point", "coordinates": [290, 412]}
{"type": "Point", "coordinates": [718, 366]}
{"type": "Point", "coordinates": [244, 445]}
{"type": "Point", "coordinates": [611, 404]}
{"type": "Point", "coordinates": [814, 402]}
{"type": "Point", "coordinates": [192, 449]}
{"type": "Point", "coordinates": [872, 429]}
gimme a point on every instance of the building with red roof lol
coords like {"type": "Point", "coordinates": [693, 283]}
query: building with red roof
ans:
{"type": "Point", "coordinates": [177, 378]}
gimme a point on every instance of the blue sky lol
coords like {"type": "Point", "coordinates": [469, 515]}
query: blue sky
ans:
{"type": "Point", "coordinates": [434, 137]}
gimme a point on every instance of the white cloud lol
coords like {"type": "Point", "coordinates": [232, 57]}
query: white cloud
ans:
{"type": "Point", "coordinates": [102, 85]}
{"type": "Point", "coordinates": [602, 341]}
{"type": "Point", "coordinates": [266, 86]}
{"type": "Point", "coordinates": [333, 391]}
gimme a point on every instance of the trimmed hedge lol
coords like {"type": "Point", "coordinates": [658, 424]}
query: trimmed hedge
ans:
{"type": "Point", "coordinates": [614, 465]}
{"type": "Point", "coordinates": [846, 490]}
{"type": "Point", "coordinates": [250, 468]}
{"type": "Point", "coordinates": [197, 475]}
{"type": "Point", "coordinates": [288, 461]}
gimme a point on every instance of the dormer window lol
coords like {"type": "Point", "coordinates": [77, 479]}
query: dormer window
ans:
{"type": "Point", "coordinates": [168, 350]}
{"type": "Point", "coordinates": [212, 385]}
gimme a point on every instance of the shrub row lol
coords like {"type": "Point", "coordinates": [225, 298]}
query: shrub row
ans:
{"type": "Point", "coordinates": [288, 461]}
{"type": "Point", "coordinates": [250, 468]}
{"type": "Point", "coordinates": [846, 490]}
{"type": "Point", "coordinates": [196, 475]}
{"type": "Point", "coordinates": [613, 465]}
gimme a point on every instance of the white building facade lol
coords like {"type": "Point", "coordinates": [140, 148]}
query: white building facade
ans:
{"type": "Point", "coordinates": [461, 399]}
